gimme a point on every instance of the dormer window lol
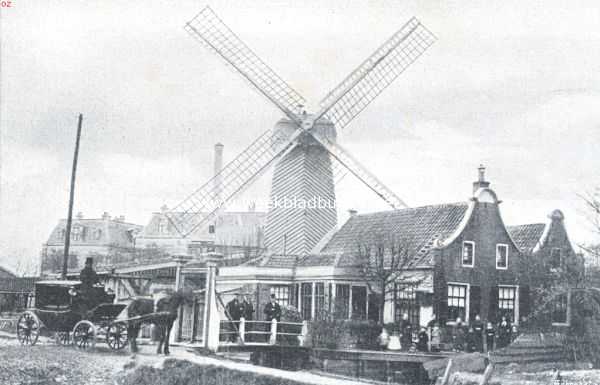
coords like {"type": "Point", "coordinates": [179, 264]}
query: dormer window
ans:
{"type": "Point", "coordinates": [468, 253]}
{"type": "Point", "coordinates": [162, 226]}
{"type": "Point", "coordinates": [98, 234]}
{"type": "Point", "coordinates": [555, 257]}
{"type": "Point", "coordinates": [501, 256]}
{"type": "Point", "coordinates": [76, 233]}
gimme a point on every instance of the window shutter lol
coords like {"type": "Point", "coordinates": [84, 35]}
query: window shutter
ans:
{"type": "Point", "coordinates": [493, 308]}
{"type": "Point", "coordinates": [442, 305]}
{"type": "Point", "coordinates": [524, 301]}
{"type": "Point", "coordinates": [474, 302]}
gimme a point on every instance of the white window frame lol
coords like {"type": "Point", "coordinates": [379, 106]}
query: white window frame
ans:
{"type": "Point", "coordinates": [467, 300]}
{"type": "Point", "coordinates": [462, 254]}
{"type": "Point", "coordinates": [517, 302]}
{"type": "Point", "coordinates": [498, 246]}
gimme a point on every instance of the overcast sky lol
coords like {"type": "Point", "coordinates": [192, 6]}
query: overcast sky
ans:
{"type": "Point", "coordinates": [513, 85]}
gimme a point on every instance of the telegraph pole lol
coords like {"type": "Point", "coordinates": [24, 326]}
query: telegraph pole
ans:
{"type": "Point", "coordinates": [71, 198]}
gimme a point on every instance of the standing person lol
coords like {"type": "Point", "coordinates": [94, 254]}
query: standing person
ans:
{"type": "Point", "coordinates": [406, 332]}
{"type": "Point", "coordinates": [423, 340]}
{"type": "Point", "coordinates": [490, 336]}
{"type": "Point", "coordinates": [88, 278]}
{"type": "Point", "coordinates": [272, 312]}
{"type": "Point", "coordinates": [436, 338]}
{"type": "Point", "coordinates": [248, 314]}
{"type": "Point", "coordinates": [504, 330]}
{"type": "Point", "coordinates": [234, 312]}
{"type": "Point", "coordinates": [478, 333]}
{"type": "Point", "coordinates": [471, 343]}
{"type": "Point", "coordinates": [459, 335]}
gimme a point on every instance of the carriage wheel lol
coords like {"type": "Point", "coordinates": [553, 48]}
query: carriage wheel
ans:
{"type": "Point", "coordinates": [116, 335]}
{"type": "Point", "coordinates": [28, 328]}
{"type": "Point", "coordinates": [62, 338]}
{"type": "Point", "coordinates": [84, 335]}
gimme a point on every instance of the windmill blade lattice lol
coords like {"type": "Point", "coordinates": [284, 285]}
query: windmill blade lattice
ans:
{"type": "Point", "coordinates": [200, 207]}
{"type": "Point", "coordinates": [358, 170]}
{"type": "Point", "coordinates": [367, 81]}
{"type": "Point", "coordinates": [210, 30]}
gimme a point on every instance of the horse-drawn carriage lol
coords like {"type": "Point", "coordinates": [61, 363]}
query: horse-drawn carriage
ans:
{"type": "Point", "coordinates": [82, 316]}
{"type": "Point", "coordinates": [73, 315]}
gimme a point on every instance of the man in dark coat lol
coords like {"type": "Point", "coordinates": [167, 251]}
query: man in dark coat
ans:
{"type": "Point", "coordinates": [478, 333]}
{"type": "Point", "coordinates": [272, 310]}
{"type": "Point", "coordinates": [406, 332]}
{"type": "Point", "coordinates": [248, 314]}
{"type": "Point", "coordinates": [88, 276]}
{"type": "Point", "coordinates": [234, 312]}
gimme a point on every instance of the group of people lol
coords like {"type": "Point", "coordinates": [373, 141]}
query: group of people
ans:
{"type": "Point", "coordinates": [474, 337]}
{"type": "Point", "coordinates": [241, 307]}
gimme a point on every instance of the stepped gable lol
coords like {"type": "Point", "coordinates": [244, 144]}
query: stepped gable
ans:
{"type": "Point", "coordinates": [526, 237]}
{"type": "Point", "coordinates": [419, 227]}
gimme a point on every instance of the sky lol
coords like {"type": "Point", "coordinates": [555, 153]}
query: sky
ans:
{"type": "Point", "coordinates": [509, 84]}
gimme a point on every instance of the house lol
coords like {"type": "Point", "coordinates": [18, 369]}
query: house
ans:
{"type": "Point", "coordinates": [462, 261]}
{"type": "Point", "coordinates": [108, 240]}
{"type": "Point", "coordinates": [15, 292]}
{"type": "Point", "coordinates": [238, 235]}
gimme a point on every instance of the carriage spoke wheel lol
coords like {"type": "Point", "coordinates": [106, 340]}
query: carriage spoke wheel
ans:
{"type": "Point", "coordinates": [28, 328]}
{"type": "Point", "coordinates": [116, 335]}
{"type": "Point", "coordinates": [84, 335]}
{"type": "Point", "coordinates": [62, 338]}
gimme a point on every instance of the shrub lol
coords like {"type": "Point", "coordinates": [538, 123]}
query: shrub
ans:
{"type": "Point", "coordinates": [334, 334]}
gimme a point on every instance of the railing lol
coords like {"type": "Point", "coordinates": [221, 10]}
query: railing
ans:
{"type": "Point", "coordinates": [267, 332]}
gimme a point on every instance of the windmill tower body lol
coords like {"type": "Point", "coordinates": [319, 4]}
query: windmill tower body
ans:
{"type": "Point", "coordinates": [302, 205]}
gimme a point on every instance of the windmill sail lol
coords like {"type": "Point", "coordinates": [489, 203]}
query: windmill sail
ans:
{"type": "Point", "coordinates": [367, 81]}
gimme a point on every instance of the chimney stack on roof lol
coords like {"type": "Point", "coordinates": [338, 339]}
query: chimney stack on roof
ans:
{"type": "Point", "coordinates": [79, 215]}
{"type": "Point", "coordinates": [120, 218]}
{"type": "Point", "coordinates": [352, 212]}
{"type": "Point", "coordinates": [218, 166]}
{"type": "Point", "coordinates": [481, 182]}
{"type": "Point", "coordinates": [105, 216]}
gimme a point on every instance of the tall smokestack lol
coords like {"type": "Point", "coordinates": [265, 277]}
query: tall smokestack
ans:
{"type": "Point", "coordinates": [218, 166]}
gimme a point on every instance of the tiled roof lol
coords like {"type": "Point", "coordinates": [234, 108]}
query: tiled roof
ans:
{"type": "Point", "coordinates": [417, 228]}
{"type": "Point", "coordinates": [526, 236]}
{"type": "Point", "coordinates": [5, 273]}
{"type": "Point", "coordinates": [98, 232]}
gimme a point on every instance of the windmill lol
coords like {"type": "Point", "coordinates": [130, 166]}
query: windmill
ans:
{"type": "Point", "coordinates": [302, 146]}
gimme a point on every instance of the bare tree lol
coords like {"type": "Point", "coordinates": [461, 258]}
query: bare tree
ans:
{"type": "Point", "coordinates": [383, 264]}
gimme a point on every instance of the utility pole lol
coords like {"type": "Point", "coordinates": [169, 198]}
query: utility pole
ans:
{"type": "Point", "coordinates": [71, 198]}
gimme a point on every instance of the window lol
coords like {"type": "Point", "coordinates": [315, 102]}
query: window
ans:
{"type": "Point", "coordinates": [457, 299]}
{"type": "Point", "coordinates": [405, 299]}
{"type": "Point", "coordinates": [61, 235]}
{"type": "Point", "coordinates": [282, 294]}
{"type": "Point", "coordinates": [359, 302]}
{"type": "Point", "coordinates": [555, 258]}
{"type": "Point", "coordinates": [468, 253]}
{"type": "Point", "coordinates": [306, 297]}
{"type": "Point", "coordinates": [342, 301]}
{"type": "Point", "coordinates": [320, 300]}
{"type": "Point", "coordinates": [211, 229]}
{"type": "Point", "coordinates": [501, 256]}
{"type": "Point", "coordinates": [98, 234]}
{"type": "Point", "coordinates": [506, 302]}
{"type": "Point", "coordinates": [559, 309]}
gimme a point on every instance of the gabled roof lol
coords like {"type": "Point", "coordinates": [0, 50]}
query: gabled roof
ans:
{"type": "Point", "coordinates": [98, 232]}
{"type": "Point", "coordinates": [417, 227]}
{"type": "Point", "coordinates": [5, 273]}
{"type": "Point", "coordinates": [526, 237]}
{"type": "Point", "coordinates": [240, 228]}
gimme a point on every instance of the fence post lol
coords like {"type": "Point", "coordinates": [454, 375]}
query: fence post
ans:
{"type": "Point", "coordinates": [446, 376]}
{"type": "Point", "coordinates": [303, 333]}
{"type": "Point", "coordinates": [487, 374]}
{"type": "Point", "coordinates": [273, 337]}
{"type": "Point", "coordinates": [242, 329]}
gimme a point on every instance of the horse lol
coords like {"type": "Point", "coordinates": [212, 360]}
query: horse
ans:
{"type": "Point", "coordinates": [168, 305]}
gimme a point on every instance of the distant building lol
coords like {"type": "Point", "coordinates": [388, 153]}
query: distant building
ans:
{"type": "Point", "coordinates": [108, 240]}
{"type": "Point", "coordinates": [237, 235]}
{"type": "Point", "coordinates": [15, 292]}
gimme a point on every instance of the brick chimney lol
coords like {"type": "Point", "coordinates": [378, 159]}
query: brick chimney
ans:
{"type": "Point", "coordinates": [105, 216]}
{"type": "Point", "coordinates": [481, 182]}
{"type": "Point", "coordinates": [352, 212]}
{"type": "Point", "coordinates": [79, 215]}
{"type": "Point", "coordinates": [218, 166]}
